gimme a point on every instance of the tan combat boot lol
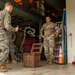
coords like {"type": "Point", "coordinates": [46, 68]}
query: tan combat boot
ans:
{"type": "Point", "coordinates": [50, 62]}
{"type": "Point", "coordinates": [3, 69]}
{"type": "Point", "coordinates": [14, 61]}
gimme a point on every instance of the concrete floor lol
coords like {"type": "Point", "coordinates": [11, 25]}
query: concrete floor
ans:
{"type": "Point", "coordinates": [18, 69]}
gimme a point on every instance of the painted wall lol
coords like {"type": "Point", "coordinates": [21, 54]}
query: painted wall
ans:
{"type": "Point", "coordinates": [70, 9]}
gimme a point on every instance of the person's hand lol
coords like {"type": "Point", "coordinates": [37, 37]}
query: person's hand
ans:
{"type": "Point", "coordinates": [42, 36]}
{"type": "Point", "coordinates": [52, 35]}
{"type": "Point", "coordinates": [16, 29]}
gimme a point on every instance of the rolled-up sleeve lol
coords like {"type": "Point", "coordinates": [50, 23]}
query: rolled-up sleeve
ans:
{"type": "Point", "coordinates": [57, 30]}
{"type": "Point", "coordinates": [7, 23]}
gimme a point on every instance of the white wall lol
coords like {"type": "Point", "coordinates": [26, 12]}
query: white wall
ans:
{"type": "Point", "coordinates": [70, 9]}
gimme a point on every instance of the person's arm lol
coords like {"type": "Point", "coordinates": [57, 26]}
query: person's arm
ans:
{"type": "Point", "coordinates": [57, 30]}
{"type": "Point", "coordinates": [7, 23]}
{"type": "Point", "coordinates": [41, 31]}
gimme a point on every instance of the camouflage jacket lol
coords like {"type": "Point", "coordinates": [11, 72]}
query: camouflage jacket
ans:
{"type": "Point", "coordinates": [5, 21]}
{"type": "Point", "coordinates": [49, 28]}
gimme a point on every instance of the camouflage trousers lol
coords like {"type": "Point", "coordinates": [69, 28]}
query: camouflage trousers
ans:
{"type": "Point", "coordinates": [48, 47]}
{"type": "Point", "coordinates": [12, 50]}
{"type": "Point", "coordinates": [4, 49]}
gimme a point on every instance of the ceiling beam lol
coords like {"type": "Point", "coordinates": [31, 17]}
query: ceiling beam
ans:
{"type": "Point", "coordinates": [22, 11]}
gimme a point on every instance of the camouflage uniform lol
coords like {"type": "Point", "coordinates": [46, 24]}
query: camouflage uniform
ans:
{"type": "Point", "coordinates": [49, 42]}
{"type": "Point", "coordinates": [5, 24]}
{"type": "Point", "coordinates": [11, 45]}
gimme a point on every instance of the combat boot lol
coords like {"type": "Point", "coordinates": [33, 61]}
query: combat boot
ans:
{"type": "Point", "coordinates": [14, 61]}
{"type": "Point", "coordinates": [50, 62]}
{"type": "Point", "coordinates": [3, 69]}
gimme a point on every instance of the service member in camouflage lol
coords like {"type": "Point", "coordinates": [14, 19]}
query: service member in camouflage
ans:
{"type": "Point", "coordinates": [50, 31]}
{"type": "Point", "coordinates": [5, 24]}
{"type": "Point", "coordinates": [11, 47]}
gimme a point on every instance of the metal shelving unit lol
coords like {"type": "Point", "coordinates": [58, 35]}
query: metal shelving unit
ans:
{"type": "Point", "coordinates": [59, 41]}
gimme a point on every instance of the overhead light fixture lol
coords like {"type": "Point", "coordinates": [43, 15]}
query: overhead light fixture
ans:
{"type": "Point", "coordinates": [18, 1]}
{"type": "Point", "coordinates": [30, 1]}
